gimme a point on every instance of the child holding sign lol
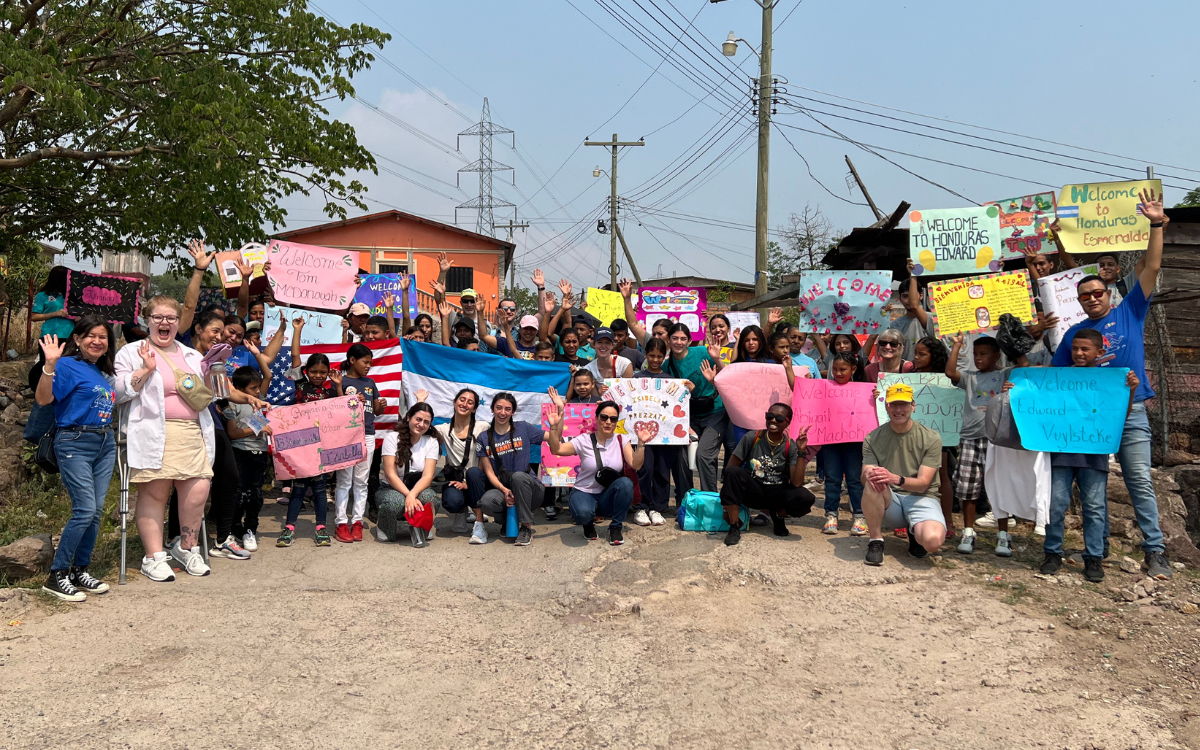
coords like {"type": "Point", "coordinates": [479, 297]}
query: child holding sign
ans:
{"type": "Point", "coordinates": [843, 460]}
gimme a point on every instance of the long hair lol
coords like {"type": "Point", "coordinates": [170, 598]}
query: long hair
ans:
{"type": "Point", "coordinates": [404, 442]}
{"type": "Point", "coordinates": [82, 328]}
{"type": "Point", "coordinates": [56, 282]}
{"type": "Point", "coordinates": [742, 355]}
{"type": "Point", "coordinates": [855, 347]}
{"type": "Point", "coordinates": [859, 375]}
{"type": "Point", "coordinates": [938, 356]}
{"type": "Point", "coordinates": [356, 351]}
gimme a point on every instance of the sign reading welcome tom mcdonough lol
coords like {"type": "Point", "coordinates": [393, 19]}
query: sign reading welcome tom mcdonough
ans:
{"type": "Point", "coordinates": [318, 278]}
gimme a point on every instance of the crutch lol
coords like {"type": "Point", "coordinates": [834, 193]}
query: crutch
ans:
{"type": "Point", "coordinates": [123, 473]}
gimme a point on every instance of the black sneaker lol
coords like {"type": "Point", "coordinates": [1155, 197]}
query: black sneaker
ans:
{"type": "Point", "coordinates": [1092, 570]}
{"type": "Point", "coordinates": [59, 584]}
{"type": "Point", "coordinates": [615, 537]}
{"type": "Point", "coordinates": [1158, 566]}
{"type": "Point", "coordinates": [551, 512]}
{"type": "Point", "coordinates": [85, 581]}
{"type": "Point", "coordinates": [524, 537]}
{"type": "Point", "coordinates": [874, 552]}
{"type": "Point", "coordinates": [589, 532]}
{"type": "Point", "coordinates": [1051, 564]}
{"type": "Point", "coordinates": [1105, 549]}
{"type": "Point", "coordinates": [780, 525]}
{"type": "Point", "coordinates": [914, 547]}
{"type": "Point", "coordinates": [733, 536]}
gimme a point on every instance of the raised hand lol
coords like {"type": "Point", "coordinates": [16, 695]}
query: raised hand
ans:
{"type": "Point", "coordinates": [443, 263]}
{"type": "Point", "coordinates": [708, 371]}
{"type": "Point", "coordinates": [554, 417]}
{"type": "Point", "coordinates": [444, 309]}
{"type": "Point", "coordinates": [345, 325]}
{"type": "Point", "coordinates": [1152, 206]}
{"type": "Point", "coordinates": [146, 352]}
{"type": "Point", "coordinates": [389, 300]}
{"type": "Point", "coordinates": [644, 435]}
{"type": "Point", "coordinates": [422, 395]}
{"type": "Point", "coordinates": [548, 304]}
{"type": "Point", "coordinates": [737, 332]}
{"type": "Point", "coordinates": [299, 321]}
{"type": "Point", "coordinates": [555, 398]}
{"type": "Point", "coordinates": [200, 257]}
{"type": "Point", "coordinates": [438, 287]}
{"type": "Point", "coordinates": [404, 280]}
{"type": "Point", "coordinates": [244, 268]}
{"type": "Point", "coordinates": [910, 266]}
{"type": "Point", "coordinates": [568, 301]}
{"type": "Point", "coordinates": [52, 348]}
{"type": "Point", "coordinates": [802, 439]}
{"type": "Point", "coordinates": [625, 287]}
{"type": "Point", "coordinates": [958, 339]}
{"type": "Point", "coordinates": [336, 376]}
{"type": "Point", "coordinates": [774, 316]}
{"type": "Point", "coordinates": [252, 349]}
{"type": "Point", "coordinates": [714, 344]}
{"type": "Point", "coordinates": [538, 279]}
{"type": "Point", "coordinates": [564, 286]}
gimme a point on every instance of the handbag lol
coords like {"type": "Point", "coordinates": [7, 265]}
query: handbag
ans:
{"type": "Point", "coordinates": [45, 458]}
{"type": "Point", "coordinates": [459, 473]}
{"type": "Point", "coordinates": [999, 425]}
{"type": "Point", "coordinates": [190, 387]}
{"type": "Point", "coordinates": [604, 475]}
{"type": "Point", "coordinates": [502, 474]}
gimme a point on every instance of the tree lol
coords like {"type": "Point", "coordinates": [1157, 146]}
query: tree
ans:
{"type": "Point", "coordinates": [804, 241]}
{"type": "Point", "coordinates": [1192, 199]}
{"type": "Point", "coordinates": [527, 300]}
{"type": "Point", "coordinates": [140, 123]}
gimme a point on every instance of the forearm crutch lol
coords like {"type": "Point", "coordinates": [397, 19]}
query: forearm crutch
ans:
{"type": "Point", "coordinates": [123, 473]}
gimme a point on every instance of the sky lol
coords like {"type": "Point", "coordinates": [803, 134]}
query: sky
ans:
{"type": "Point", "coordinates": [1114, 78]}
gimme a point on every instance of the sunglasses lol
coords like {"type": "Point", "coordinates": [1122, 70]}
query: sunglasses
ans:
{"type": "Point", "coordinates": [888, 344]}
{"type": "Point", "coordinates": [507, 308]}
{"type": "Point", "coordinates": [1084, 296]}
{"type": "Point", "coordinates": [773, 417]}
{"type": "Point", "coordinates": [607, 417]}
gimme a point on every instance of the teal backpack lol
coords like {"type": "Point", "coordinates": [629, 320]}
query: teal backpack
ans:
{"type": "Point", "coordinates": [701, 511]}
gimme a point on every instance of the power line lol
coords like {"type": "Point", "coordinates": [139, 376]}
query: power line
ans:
{"type": "Point", "coordinates": [809, 168]}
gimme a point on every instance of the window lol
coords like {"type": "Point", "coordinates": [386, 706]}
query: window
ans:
{"type": "Point", "coordinates": [458, 279]}
{"type": "Point", "coordinates": [393, 268]}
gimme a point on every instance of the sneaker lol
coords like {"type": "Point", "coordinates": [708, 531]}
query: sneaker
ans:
{"type": "Point", "coordinates": [1003, 544]}
{"type": "Point", "coordinates": [615, 537]}
{"type": "Point", "coordinates": [779, 524]}
{"type": "Point", "coordinates": [230, 550]}
{"type": "Point", "coordinates": [760, 519]}
{"type": "Point", "coordinates": [1092, 570]}
{"type": "Point", "coordinates": [156, 568]}
{"type": "Point", "coordinates": [967, 544]}
{"type": "Point", "coordinates": [85, 581]}
{"type": "Point", "coordinates": [986, 521]}
{"type": "Point", "coordinates": [641, 518]}
{"type": "Point", "coordinates": [250, 541]}
{"type": "Point", "coordinates": [860, 526]}
{"type": "Point", "coordinates": [589, 532]}
{"type": "Point", "coordinates": [478, 534]}
{"type": "Point", "coordinates": [524, 537]}
{"type": "Point", "coordinates": [831, 523]}
{"type": "Point", "coordinates": [342, 533]}
{"type": "Point", "coordinates": [417, 534]}
{"type": "Point", "coordinates": [874, 552]}
{"type": "Point", "coordinates": [286, 537]}
{"type": "Point", "coordinates": [458, 523]}
{"type": "Point", "coordinates": [733, 536]}
{"type": "Point", "coordinates": [1157, 566]}
{"type": "Point", "coordinates": [1039, 530]}
{"type": "Point", "coordinates": [1106, 550]}
{"type": "Point", "coordinates": [551, 512]}
{"type": "Point", "coordinates": [191, 560]}
{"type": "Point", "coordinates": [914, 547]}
{"type": "Point", "coordinates": [321, 537]}
{"type": "Point", "coordinates": [900, 532]}
{"type": "Point", "coordinates": [656, 518]}
{"type": "Point", "coordinates": [356, 531]}
{"type": "Point", "coordinates": [59, 584]}
{"type": "Point", "coordinates": [1051, 564]}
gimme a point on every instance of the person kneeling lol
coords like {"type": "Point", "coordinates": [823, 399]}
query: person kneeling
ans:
{"type": "Point", "coordinates": [410, 456]}
{"type": "Point", "coordinates": [766, 472]}
{"type": "Point", "coordinates": [901, 459]}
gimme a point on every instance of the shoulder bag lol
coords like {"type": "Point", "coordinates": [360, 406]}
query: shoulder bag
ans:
{"type": "Point", "coordinates": [190, 387]}
{"type": "Point", "coordinates": [502, 474]}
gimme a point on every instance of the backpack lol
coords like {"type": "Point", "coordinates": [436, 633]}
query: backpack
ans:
{"type": "Point", "coordinates": [999, 425]}
{"type": "Point", "coordinates": [702, 511]}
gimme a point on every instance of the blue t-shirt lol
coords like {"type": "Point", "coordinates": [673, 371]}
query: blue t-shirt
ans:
{"type": "Point", "coordinates": [365, 386]}
{"type": "Point", "coordinates": [82, 394]}
{"type": "Point", "coordinates": [688, 368]}
{"type": "Point", "coordinates": [1124, 346]}
{"type": "Point", "coordinates": [240, 357]}
{"type": "Point", "coordinates": [61, 327]}
{"type": "Point", "coordinates": [513, 448]}
{"type": "Point", "coordinates": [803, 360]}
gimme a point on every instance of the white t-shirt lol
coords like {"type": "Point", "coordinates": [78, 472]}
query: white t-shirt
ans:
{"type": "Point", "coordinates": [610, 453]}
{"type": "Point", "coordinates": [425, 448]}
{"type": "Point", "coordinates": [454, 446]}
{"type": "Point", "coordinates": [618, 370]}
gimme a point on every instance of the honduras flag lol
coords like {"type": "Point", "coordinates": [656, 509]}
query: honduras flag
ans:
{"type": "Point", "coordinates": [444, 371]}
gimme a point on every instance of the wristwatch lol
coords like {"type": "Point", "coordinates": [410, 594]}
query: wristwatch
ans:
{"type": "Point", "coordinates": [901, 482]}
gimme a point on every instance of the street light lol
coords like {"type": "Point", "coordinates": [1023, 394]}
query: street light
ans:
{"type": "Point", "coordinates": [729, 47]}
{"type": "Point", "coordinates": [597, 171]}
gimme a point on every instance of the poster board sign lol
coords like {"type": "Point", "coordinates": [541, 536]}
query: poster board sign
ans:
{"type": "Point", "coordinates": [954, 241]}
{"type": "Point", "coordinates": [937, 403]}
{"type": "Point", "coordinates": [661, 405]}
{"type": "Point", "coordinates": [1059, 297]}
{"type": "Point", "coordinates": [1104, 216]}
{"type": "Point", "coordinates": [1070, 409]}
{"type": "Point", "coordinates": [1025, 225]}
{"type": "Point", "coordinates": [319, 278]}
{"type": "Point", "coordinates": [737, 321]}
{"type": "Point", "coordinates": [975, 303]}
{"type": "Point", "coordinates": [833, 413]}
{"type": "Point", "coordinates": [748, 389]}
{"type": "Point", "coordinates": [318, 437]}
{"type": "Point", "coordinates": [560, 471]}
{"type": "Point", "coordinates": [677, 304]}
{"type": "Point", "coordinates": [252, 253]}
{"type": "Point", "coordinates": [852, 302]}
{"type": "Point", "coordinates": [606, 306]}
{"type": "Point", "coordinates": [375, 285]}
{"type": "Point", "coordinates": [117, 299]}
{"type": "Point", "coordinates": [319, 328]}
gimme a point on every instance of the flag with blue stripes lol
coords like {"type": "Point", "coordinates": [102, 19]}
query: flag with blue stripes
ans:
{"type": "Point", "coordinates": [444, 372]}
{"type": "Point", "coordinates": [1067, 212]}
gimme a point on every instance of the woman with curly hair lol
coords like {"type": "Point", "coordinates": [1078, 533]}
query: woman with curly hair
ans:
{"type": "Point", "coordinates": [410, 456]}
{"type": "Point", "coordinates": [930, 355]}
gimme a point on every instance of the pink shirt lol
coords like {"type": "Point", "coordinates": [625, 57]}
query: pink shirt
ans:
{"type": "Point", "coordinates": [873, 370]}
{"type": "Point", "coordinates": [175, 407]}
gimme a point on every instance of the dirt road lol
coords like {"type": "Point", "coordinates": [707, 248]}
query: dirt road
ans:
{"type": "Point", "coordinates": [670, 641]}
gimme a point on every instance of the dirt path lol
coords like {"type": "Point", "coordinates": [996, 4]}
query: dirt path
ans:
{"type": "Point", "coordinates": [671, 641]}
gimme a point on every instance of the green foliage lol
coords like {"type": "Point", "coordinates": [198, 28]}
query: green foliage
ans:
{"type": "Point", "coordinates": [1192, 199]}
{"type": "Point", "coordinates": [526, 300]}
{"type": "Point", "coordinates": [25, 263]}
{"type": "Point", "coordinates": [139, 123]}
{"type": "Point", "coordinates": [720, 295]}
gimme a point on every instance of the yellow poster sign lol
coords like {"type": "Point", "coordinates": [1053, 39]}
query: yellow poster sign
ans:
{"type": "Point", "coordinates": [1104, 216]}
{"type": "Point", "coordinates": [975, 304]}
{"type": "Point", "coordinates": [605, 305]}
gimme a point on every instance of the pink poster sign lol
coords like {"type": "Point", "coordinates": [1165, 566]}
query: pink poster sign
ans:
{"type": "Point", "coordinates": [319, 278]}
{"type": "Point", "coordinates": [560, 471]}
{"type": "Point", "coordinates": [749, 388]}
{"type": "Point", "coordinates": [317, 437]}
{"type": "Point", "coordinates": [676, 304]}
{"type": "Point", "coordinates": [833, 413]}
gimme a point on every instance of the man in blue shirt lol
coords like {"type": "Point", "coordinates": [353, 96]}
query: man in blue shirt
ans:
{"type": "Point", "coordinates": [1122, 328]}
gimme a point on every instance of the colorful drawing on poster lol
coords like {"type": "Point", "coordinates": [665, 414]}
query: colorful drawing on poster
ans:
{"type": "Point", "coordinates": [1025, 225]}
{"type": "Point", "coordinates": [560, 471]}
{"type": "Point", "coordinates": [1070, 409]}
{"type": "Point", "coordinates": [605, 305]}
{"type": "Point", "coordinates": [661, 405]}
{"type": "Point", "coordinates": [375, 285]}
{"type": "Point", "coordinates": [1104, 216]}
{"type": "Point", "coordinates": [853, 302]}
{"type": "Point", "coordinates": [1059, 297]}
{"type": "Point", "coordinates": [954, 241]}
{"type": "Point", "coordinates": [677, 304]}
{"type": "Point", "coordinates": [738, 321]}
{"type": "Point", "coordinates": [833, 413]}
{"type": "Point", "coordinates": [975, 304]}
{"type": "Point", "coordinates": [318, 278]}
{"type": "Point", "coordinates": [317, 437]}
{"type": "Point", "coordinates": [937, 403]}
{"type": "Point", "coordinates": [117, 299]}
{"type": "Point", "coordinates": [748, 389]}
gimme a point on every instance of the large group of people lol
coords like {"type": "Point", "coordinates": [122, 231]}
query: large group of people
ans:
{"type": "Point", "coordinates": [193, 382]}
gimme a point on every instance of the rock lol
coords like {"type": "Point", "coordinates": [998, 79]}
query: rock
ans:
{"type": "Point", "coordinates": [1149, 584]}
{"type": "Point", "coordinates": [1139, 592]}
{"type": "Point", "coordinates": [1179, 458]}
{"type": "Point", "coordinates": [1175, 565]}
{"type": "Point", "coordinates": [1122, 634]}
{"type": "Point", "coordinates": [1188, 608]}
{"type": "Point", "coordinates": [1073, 521]}
{"type": "Point", "coordinates": [10, 414]}
{"type": "Point", "coordinates": [1076, 558]}
{"type": "Point", "coordinates": [1129, 565]}
{"type": "Point", "coordinates": [1129, 596]}
{"type": "Point", "coordinates": [27, 557]}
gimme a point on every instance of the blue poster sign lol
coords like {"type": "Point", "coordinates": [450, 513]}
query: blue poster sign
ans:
{"type": "Point", "coordinates": [851, 302]}
{"type": "Point", "coordinates": [1070, 409]}
{"type": "Point", "coordinates": [375, 285]}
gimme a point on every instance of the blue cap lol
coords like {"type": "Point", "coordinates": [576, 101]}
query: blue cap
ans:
{"type": "Point", "coordinates": [603, 332]}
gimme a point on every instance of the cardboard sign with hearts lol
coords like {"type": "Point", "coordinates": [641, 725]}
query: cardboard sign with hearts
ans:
{"type": "Point", "coordinates": [660, 406]}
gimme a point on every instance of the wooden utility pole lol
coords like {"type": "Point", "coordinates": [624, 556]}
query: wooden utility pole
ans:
{"type": "Point", "coordinates": [612, 205]}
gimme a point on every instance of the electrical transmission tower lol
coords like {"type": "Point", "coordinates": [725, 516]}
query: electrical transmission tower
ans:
{"type": "Point", "coordinates": [485, 166]}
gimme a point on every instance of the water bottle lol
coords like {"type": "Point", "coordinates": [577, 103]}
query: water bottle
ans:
{"type": "Point", "coordinates": [510, 528]}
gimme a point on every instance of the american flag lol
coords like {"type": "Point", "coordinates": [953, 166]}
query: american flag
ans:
{"type": "Point", "coordinates": [386, 369]}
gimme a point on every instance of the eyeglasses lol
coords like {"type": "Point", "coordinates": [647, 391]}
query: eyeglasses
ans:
{"type": "Point", "coordinates": [507, 308]}
{"type": "Point", "coordinates": [888, 344]}
{"type": "Point", "coordinates": [773, 417]}
{"type": "Point", "coordinates": [607, 417]}
{"type": "Point", "coordinates": [1084, 296]}
{"type": "Point", "coordinates": [165, 318]}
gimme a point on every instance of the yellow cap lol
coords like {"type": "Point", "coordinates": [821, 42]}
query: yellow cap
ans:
{"type": "Point", "coordinates": [899, 392]}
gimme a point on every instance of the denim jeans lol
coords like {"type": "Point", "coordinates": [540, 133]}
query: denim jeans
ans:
{"type": "Point", "coordinates": [842, 460]}
{"type": "Point", "coordinates": [1134, 456]}
{"type": "Point", "coordinates": [1093, 496]}
{"type": "Point", "coordinates": [299, 489]}
{"type": "Point", "coordinates": [85, 464]}
{"type": "Point", "coordinates": [613, 502]}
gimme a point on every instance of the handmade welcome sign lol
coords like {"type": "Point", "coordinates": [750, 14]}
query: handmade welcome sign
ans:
{"type": "Point", "coordinates": [844, 301]}
{"type": "Point", "coordinates": [833, 413]}
{"type": "Point", "coordinates": [319, 328]}
{"type": "Point", "coordinates": [975, 304]}
{"type": "Point", "coordinates": [937, 404]}
{"type": "Point", "coordinates": [676, 304]}
{"type": "Point", "coordinates": [1104, 216]}
{"type": "Point", "coordinates": [605, 305]}
{"type": "Point", "coordinates": [117, 299]}
{"type": "Point", "coordinates": [660, 405]}
{"type": "Point", "coordinates": [1025, 225]}
{"type": "Point", "coordinates": [748, 389]}
{"type": "Point", "coordinates": [1070, 409]}
{"type": "Point", "coordinates": [560, 471]}
{"type": "Point", "coordinates": [375, 285]}
{"type": "Point", "coordinates": [253, 254]}
{"type": "Point", "coordinates": [318, 437]}
{"type": "Point", "coordinates": [311, 276]}
{"type": "Point", "coordinates": [1060, 297]}
{"type": "Point", "coordinates": [954, 241]}
{"type": "Point", "coordinates": [737, 321]}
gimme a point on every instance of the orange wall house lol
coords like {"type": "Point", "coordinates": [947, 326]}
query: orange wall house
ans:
{"type": "Point", "coordinates": [393, 241]}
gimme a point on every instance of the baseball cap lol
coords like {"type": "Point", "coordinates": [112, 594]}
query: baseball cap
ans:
{"type": "Point", "coordinates": [253, 325]}
{"type": "Point", "coordinates": [464, 321]}
{"type": "Point", "coordinates": [899, 392]}
{"type": "Point", "coordinates": [360, 308]}
{"type": "Point", "coordinates": [603, 332]}
{"type": "Point", "coordinates": [529, 321]}
{"type": "Point", "coordinates": [468, 292]}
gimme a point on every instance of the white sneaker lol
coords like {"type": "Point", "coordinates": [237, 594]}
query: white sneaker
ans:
{"type": "Point", "coordinates": [986, 521]}
{"type": "Point", "coordinates": [656, 518]}
{"type": "Point", "coordinates": [966, 544]}
{"type": "Point", "coordinates": [157, 569]}
{"type": "Point", "coordinates": [478, 534]}
{"type": "Point", "coordinates": [191, 560]}
{"type": "Point", "coordinates": [249, 542]}
{"type": "Point", "coordinates": [1003, 544]}
{"type": "Point", "coordinates": [230, 550]}
{"type": "Point", "coordinates": [1040, 529]}
{"type": "Point", "coordinates": [641, 519]}
{"type": "Point", "coordinates": [458, 523]}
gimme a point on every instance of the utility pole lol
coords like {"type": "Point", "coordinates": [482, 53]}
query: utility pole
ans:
{"type": "Point", "coordinates": [879, 215]}
{"type": "Point", "coordinates": [512, 267]}
{"type": "Point", "coordinates": [612, 201]}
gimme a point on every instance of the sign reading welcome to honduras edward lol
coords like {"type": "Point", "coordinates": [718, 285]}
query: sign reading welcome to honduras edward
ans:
{"type": "Point", "coordinates": [954, 241]}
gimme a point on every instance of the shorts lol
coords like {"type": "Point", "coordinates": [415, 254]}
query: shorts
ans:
{"type": "Point", "coordinates": [909, 510]}
{"type": "Point", "coordinates": [968, 481]}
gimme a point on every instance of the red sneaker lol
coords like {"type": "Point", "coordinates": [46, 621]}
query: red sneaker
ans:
{"type": "Point", "coordinates": [900, 532]}
{"type": "Point", "coordinates": [342, 534]}
{"type": "Point", "coordinates": [356, 531]}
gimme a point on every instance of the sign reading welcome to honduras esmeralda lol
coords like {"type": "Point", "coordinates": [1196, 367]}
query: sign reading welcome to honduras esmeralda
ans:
{"type": "Point", "coordinates": [1104, 216]}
